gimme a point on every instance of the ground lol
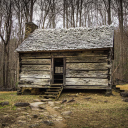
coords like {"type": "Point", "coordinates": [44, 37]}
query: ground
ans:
{"type": "Point", "coordinates": [88, 109]}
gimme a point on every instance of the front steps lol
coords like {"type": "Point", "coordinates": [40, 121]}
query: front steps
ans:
{"type": "Point", "coordinates": [54, 91]}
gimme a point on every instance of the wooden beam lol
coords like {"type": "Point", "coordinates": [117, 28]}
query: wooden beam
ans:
{"type": "Point", "coordinates": [87, 66]}
{"type": "Point", "coordinates": [86, 87]}
{"type": "Point", "coordinates": [35, 67]}
{"type": "Point", "coordinates": [97, 74]}
{"type": "Point", "coordinates": [86, 81]}
{"type": "Point", "coordinates": [36, 61]}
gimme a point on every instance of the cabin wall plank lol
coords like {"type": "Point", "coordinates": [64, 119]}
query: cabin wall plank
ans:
{"type": "Point", "coordinates": [87, 66]}
{"type": "Point", "coordinates": [86, 81]}
{"type": "Point", "coordinates": [34, 81]}
{"type": "Point", "coordinates": [91, 74]}
{"type": "Point", "coordinates": [90, 59]}
{"type": "Point", "coordinates": [35, 67]}
{"type": "Point", "coordinates": [36, 61]}
{"type": "Point", "coordinates": [35, 74]}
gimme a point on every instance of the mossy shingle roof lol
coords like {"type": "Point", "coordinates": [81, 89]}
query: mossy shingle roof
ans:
{"type": "Point", "coordinates": [68, 39]}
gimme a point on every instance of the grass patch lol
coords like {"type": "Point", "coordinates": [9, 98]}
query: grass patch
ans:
{"type": "Point", "coordinates": [13, 98]}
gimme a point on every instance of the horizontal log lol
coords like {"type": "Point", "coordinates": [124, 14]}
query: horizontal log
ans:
{"type": "Point", "coordinates": [35, 74]}
{"type": "Point", "coordinates": [87, 66]}
{"type": "Point", "coordinates": [36, 61]}
{"type": "Point", "coordinates": [80, 53]}
{"type": "Point", "coordinates": [87, 59]}
{"type": "Point", "coordinates": [35, 54]}
{"type": "Point", "coordinates": [35, 67]}
{"type": "Point", "coordinates": [33, 81]}
{"type": "Point", "coordinates": [86, 87]}
{"type": "Point", "coordinates": [64, 54]}
{"type": "Point", "coordinates": [33, 86]}
{"type": "Point", "coordinates": [86, 81]}
{"type": "Point", "coordinates": [97, 74]}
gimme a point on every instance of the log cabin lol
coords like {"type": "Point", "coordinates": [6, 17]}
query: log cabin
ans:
{"type": "Point", "coordinates": [74, 58]}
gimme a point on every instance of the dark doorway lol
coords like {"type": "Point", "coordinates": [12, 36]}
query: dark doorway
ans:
{"type": "Point", "coordinates": [58, 70]}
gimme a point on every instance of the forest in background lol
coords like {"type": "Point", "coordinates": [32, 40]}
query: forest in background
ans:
{"type": "Point", "coordinates": [60, 14]}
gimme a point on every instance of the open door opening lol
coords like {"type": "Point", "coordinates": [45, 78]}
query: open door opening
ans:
{"type": "Point", "coordinates": [58, 70]}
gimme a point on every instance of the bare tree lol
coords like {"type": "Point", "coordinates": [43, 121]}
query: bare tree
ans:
{"type": "Point", "coordinates": [5, 34]}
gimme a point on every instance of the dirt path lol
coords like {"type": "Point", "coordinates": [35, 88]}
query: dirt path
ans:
{"type": "Point", "coordinates": [59, 121]}
{"type": "Point", "coordinates": [88, 110]}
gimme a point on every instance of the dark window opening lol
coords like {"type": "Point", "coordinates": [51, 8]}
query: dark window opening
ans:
{"type": "Point", "coordinates": [58, 70]}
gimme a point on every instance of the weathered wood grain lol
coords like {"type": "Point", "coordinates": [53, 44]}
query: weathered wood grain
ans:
{"type": "Point", "coordinates": [87, 66]}
{"type": "Point", "coordinates": [33, 86]}
{"type": "Point", "coordinates": [35, 67]}
{"type": "Point", "coordinates": [80, 53]}
{"type": "Point", "coordinates": [97, 74]}
{"type": "Point", "coordinates": [39, 54]}
{"type": "Point", "coordinates": [34, 81]}
{"type": "Point", "coordinates": [86, 81]}
{"type": "Point", "coordinates": [35, 74]}
{"type": "Point", "coordinates": [86, 87]}
{"type": "Point", "coordinates": [87, 59]}
{"type": "Point", "coordinates": [36, 61]}
{"type": "Point", "coordinates": [64, 54]}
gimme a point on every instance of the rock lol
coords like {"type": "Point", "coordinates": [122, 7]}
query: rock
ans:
{"type": "Point", "coordinates": [63, 101]}
{"type": "Point", "coordinates": [21, 118]}
{"type": "Point", "coordinates": [24, 113]}
{"type": "Point", "coordinates": [72, 100]}
{"type": "Point", "coordinates": [46, 100]}
{"type": "Point", "coordinates": [19, 109]}
{"type": "Point", "coordinates": [46, 114]}
{"type": "Point", "coordinates": [51, 103]}
{"type": "Point", "coordinates": [125, 100]}
{"type": "Point", "coordinates": [57, 102]}
{"type": "Point", "coordinates": [49, 123]}
{"type": "Point", "coordinates": [124, 94]}
{"type": "Point", "coordinates": [66, 113]}
{"type": "Point", "coordinates": [41, 106]}
{"type": "Point", "coordinates": [35, 116]}
{"type": "Point", "coordinates": [59, 118]}
{"type": "Point", "coordinates": [36, 100]}
{"type": "Point", "coordinates": [4, 124]}
{"type": "Point", "coordinates": [4, 103]}
{"type": "Point", "coordinates": [21, 121]}
{"type": "Point", "coordinates": [34, 125]}
{"type": "Point", "coordinates": [35, 105]}
{"type": "Point", "coordinates": [21, 104]}
{"type": "Point", "coordinates": [56, 107]}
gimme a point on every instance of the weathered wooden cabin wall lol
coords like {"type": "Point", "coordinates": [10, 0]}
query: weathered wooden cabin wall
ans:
{"type": "Point", "coordinates": [83, 69]}
{"type": "Point", "coordinates": [89, 70]}
{"type": "Point", "coordinates": [34, 70]}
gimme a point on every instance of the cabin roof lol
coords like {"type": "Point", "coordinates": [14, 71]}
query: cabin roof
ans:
{"type": "Point", "coordinates": [68, 39]}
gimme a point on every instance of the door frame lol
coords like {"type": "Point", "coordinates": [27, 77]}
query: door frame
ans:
{"type": "Point", "coordinates": [52, 69]}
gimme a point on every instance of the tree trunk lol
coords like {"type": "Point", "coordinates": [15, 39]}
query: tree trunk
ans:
{"type": "Point", "coordinates": [31, 12]}
{"type": "Point", "coordinates": [109, 12]}
{"type": "Point", "coordinates": [66, 14]}
{"type": "Point", "coordinates": [63, 13]}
